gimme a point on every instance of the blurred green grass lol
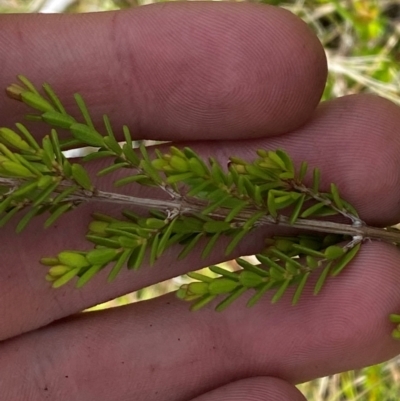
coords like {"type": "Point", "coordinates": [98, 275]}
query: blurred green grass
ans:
{"type": "Point", "coordinates": [361, 39]}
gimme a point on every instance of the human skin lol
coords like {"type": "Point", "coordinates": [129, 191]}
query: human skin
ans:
{"type": "Point", "coordinates": [228, 79]}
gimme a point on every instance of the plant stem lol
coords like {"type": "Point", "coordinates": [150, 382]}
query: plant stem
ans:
{"type": "Point", "coordinates": [186, 206]}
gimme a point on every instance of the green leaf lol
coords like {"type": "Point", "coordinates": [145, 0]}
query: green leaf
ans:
{"type": "Point", "coordinates": [336, 197]}
{"type": "Point", "coordinates": [286, 159]}
{"type": "Point", "coordinates": [129, 242]}
{"type": "Point", "coordinates": [101, 256]}
{"type": "Point", "coordinates": [72, 259]}
{"type": "Point", "coordinates": [210, 245]}
{"type": "Point", "coordinates": [277, 273]}
{"type": "Point", "coordinates": [127, 136]}
{"type": "Point", "coordinates": [308, 251]}
{"type": "Point", "coordinates": [250, 188]}
{"type": "Point", "coordinates": [131, 215]}
{"type": "Point", "coordinates": [312, 210]}
{"type": "Point", "coordinates": [253, 219]}
{"type": "Point", "coordinates": [86, 134]}
{"type": "Point", "coordinates": [334, 252]}
{"type": "Point", "coordinates": [200, 277]}
{"type": "Point", "coordinates": [28, 136]}
{"type": "Point", "coordinates": [111, 168]}
{"type": "Point", "coordinates": [271, 204]}
{"type": "Point", "coordinates": [396, 334]}
{"type": "Point", "coordinates": [31, 166]}
{"type": "Point", "coordinates": [284, 244]}
{"type": "Point", "coordinates": [81, 176]}
{"type": "Point", "coordinates": [58, 119]}
{"type": "Point", "coordinates": [130, 155]}
{"type": "Point", "coordinates": [394, 318]}
{"type": "Point", "coordinates": [282, 289]}
{"type": "Point", "coordinates": [198, 288]}
{"type": "Point", "coordinates": [286, 258]}
{"type": "Point", "coordinates": [112, 144]}
{"type": "Point", "coordinates": [155, 223]}
{"type": "Point", "coordinates": [165, 237]}
{"type": "Point", "coordinates": [97, 155]}
{"type": "Point", "coordinates": [66, 278]}
{"type": "Point", "coordinates": [223, 272]}
{"type": "Point", "coordinates": [108, 242]}
{"type": "Point", "coordinates": [56, 146]}
{"type": "Point", "coordinates": [236, 239]}
{"type": "Point", "coordinates": [154, 248]}
{"type": "Point", "coordinates": [172, 179]}
{"type": "Point", "coordinates": [257, 172]}
{"type": "Point", "coordinates": [25, 189]}
{"type": "Point", "coordinates": [179, 164]}
{"type": "Point", "coordinates": [88, 275]}
{"type": "Point", "coordinates": [345, 260]}
{"type": "Point", "coordinates": [48, 148]}
{"type": "Point", "coordinates": [350, 208]}
{"type": "Point", "coordinates": [119, 264]}
{"type": "Point", "coordinates": [58, 270]}
{"type": "Point", "coordinates": [139, 178]}
{"type": "Point", "coordinates": [64, 194]}
{"type": "Point", "coordinates": [136, 258]}
{"type": "Point", "coordinates": [16, 169]}
{"type": "Point", "coordinates": [252, 268]}
{"type": "Point", "coordinates": [70, 143]}
{"type": "Point", "coordinates": [316, 179]}
{"type": "Point", "coordinates": [325, 211]}
{"type": "Point", "coordinates": [197, 188]}
{"type": "Point", "coordinates": [43, 196]}
{"type": "Point", "coordinates": [300, 288]}
{"type": "Point", "coordinates": [28, 84]}
{"type": "Point", "coordinates": [250, 279]}
{"type": "Point", "coordinates": [221, 286]}
{"type": "Point", "coordinates": [159, 164]}
{"type": "Point", "coordinates": [260, 292]}
{"type": "Point", "coordinates": [10, 213]}
{"type": "Point", "coordinates": [85, 112]}
{"type": "Point", "coordinates": [311, 262]}
{"type": "Point", "coordinates": [203, 301]}
{"type": "Point", "coordinates": [189, 246]}
{"type": "Point", "coordinates": [144, 152]}
{"type": "Point", "coordinates": [230, 299]}
{"type": "Point", "coordinates": [216, 171]}
{"type": "Point", "coordinates": [282, 202]}
{"type": "Point", "coordinates": [27, 218]}
{"type": "Point", "coordinates": [197, 167]}
{"type": "Point", "coordinates": [276, 159]}
{"type": "Point", "coordinates": [67, 169]}
{"type": "Point", "coordinates": [235, 211]}
{"type": "Point", "coordinates": [36, 101]}
{"type": "Point", "coordinates": [107, 124]}
{"type": "Point", "coordinates": [14, 139]}
{"type": "Point", "coordinates": [322, 279]}
{"type": "Point", "coordinates": [216, 226]}
{"type": "Point", "coordinates": [54, 98]}
{"type": "Point", "coordinates": [303, 171]}
{"type": "Point", "coordinates": [7, 153]}
{"type": "Point", "coordinates": [103, 217]}
{"type": "Point", "coordinates": [151, 171]}
{"type": "Point", "coordinates": [58, 212]}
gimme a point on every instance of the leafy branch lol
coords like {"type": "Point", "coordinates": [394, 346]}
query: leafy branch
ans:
{"type": "Point", "coordinates": [204, 203]}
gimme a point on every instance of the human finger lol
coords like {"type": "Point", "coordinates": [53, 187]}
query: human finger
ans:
{"type": "Point", "coordinates": [158, 350]}
{"type": "Point", "coordinates": [254, 389]}
{"type": "Point", "coordinates": [173, 71]}
{"type": "Point", "coordinates": [372, 188]}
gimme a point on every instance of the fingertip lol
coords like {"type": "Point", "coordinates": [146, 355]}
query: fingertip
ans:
{"type": "Point", "coordinates": [176, 71]}
{"type": "Point", "coordinates": [220, 71]}
{"type": "Point", "coordinates": [254, 389]}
